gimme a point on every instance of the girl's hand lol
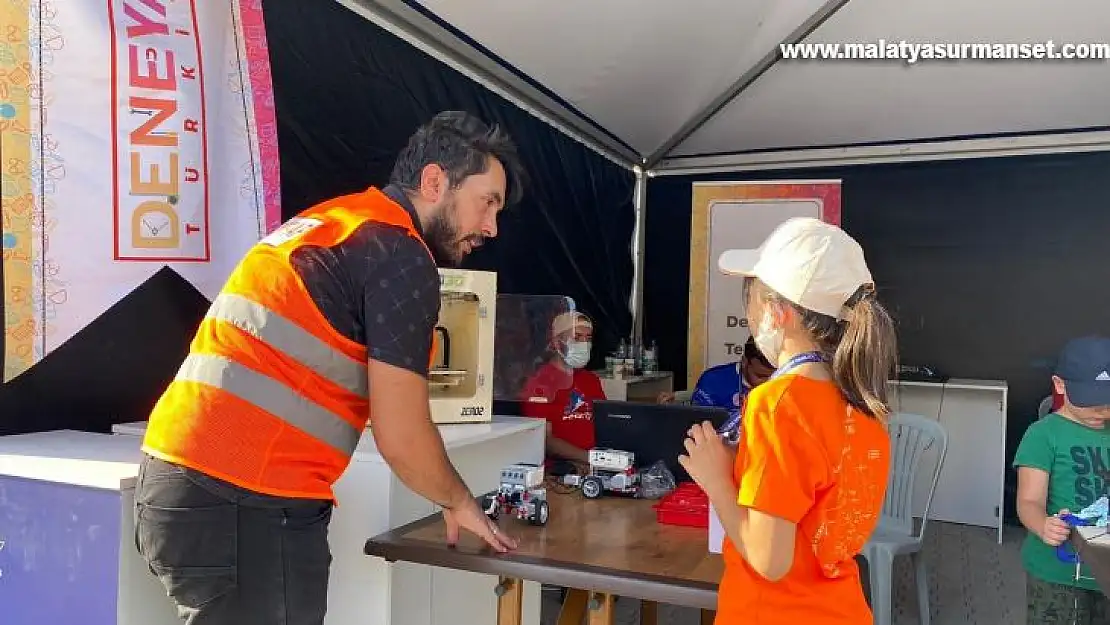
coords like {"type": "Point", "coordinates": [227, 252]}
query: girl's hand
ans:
{"type": "Point", "coordinates": [709, 461]}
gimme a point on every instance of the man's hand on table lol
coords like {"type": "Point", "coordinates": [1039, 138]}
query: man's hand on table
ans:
{"type": "Point", "coordinates": [468, 516]}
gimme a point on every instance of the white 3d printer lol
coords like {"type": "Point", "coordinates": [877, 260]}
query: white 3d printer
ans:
{"type": "Point", "coordinates": [460, 381]}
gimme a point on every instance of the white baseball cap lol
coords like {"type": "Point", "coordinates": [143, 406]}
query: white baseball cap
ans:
{"type": "Point", "coordinates": [809, 262]}
{"type": "Point", "coordinates": [567, 321]}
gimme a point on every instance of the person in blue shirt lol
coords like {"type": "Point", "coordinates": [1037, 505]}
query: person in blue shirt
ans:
{"type": "Point", "coordinates": [726, 386]}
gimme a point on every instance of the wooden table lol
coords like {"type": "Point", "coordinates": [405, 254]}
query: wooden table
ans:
{"type": "Point", "coordinates": [600, 549]}
{"type": "Point", "coordinates": [1093, 545]}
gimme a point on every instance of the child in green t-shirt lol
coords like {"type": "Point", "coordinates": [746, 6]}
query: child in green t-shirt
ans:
{"type": "Point", "coordinates": [1063, 464]}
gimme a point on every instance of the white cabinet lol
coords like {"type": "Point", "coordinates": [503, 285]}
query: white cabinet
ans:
{"type": "Point", "coordinates": [67, 547]}
{"type": "Point", "coordinates": [971, 488]}
{"type": "Point", "coordinates": [368, 591]}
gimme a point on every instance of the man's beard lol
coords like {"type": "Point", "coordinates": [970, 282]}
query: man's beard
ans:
{"type": "Point", "coordinates": [443, 240]}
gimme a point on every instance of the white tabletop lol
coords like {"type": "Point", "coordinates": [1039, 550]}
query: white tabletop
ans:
{"type": "Point", "coordinates": [1094, 535]}
{"type": "Point", "coordinates": [454, 435]}
{"type": "Point", "coordinates": [72, 457]}
{"type": "Point", "coordinates": [964, 384]}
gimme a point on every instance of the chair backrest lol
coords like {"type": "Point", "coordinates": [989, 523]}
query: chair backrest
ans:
{"type": "Point", "coordinates": [1045, 407]}
{"type": "Point", "coordinates": [910, 437]}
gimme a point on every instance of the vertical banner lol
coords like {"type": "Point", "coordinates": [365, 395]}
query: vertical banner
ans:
{"type": "Point", "coordinates": [738, 215]}
{"type": "Point", "coordinates": [136, 134]}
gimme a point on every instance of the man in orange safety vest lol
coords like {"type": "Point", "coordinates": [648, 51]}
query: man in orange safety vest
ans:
{"type": "Point", "coordinates": [325, 325]}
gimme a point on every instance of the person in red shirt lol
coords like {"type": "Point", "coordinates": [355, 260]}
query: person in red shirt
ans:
{"type": "Point", "coordinates": [562, 390]}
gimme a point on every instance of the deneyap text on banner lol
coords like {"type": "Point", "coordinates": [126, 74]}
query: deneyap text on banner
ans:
{"type": "Point", "coordinates": [139, 136]}
{"type": "Point", "coordinates": [159, 144]}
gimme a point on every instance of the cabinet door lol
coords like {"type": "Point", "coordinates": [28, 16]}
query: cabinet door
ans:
{"type": "Point", "coordinates": [970, 483]}
{"type": "Point", "coordinates": [422, 595]}
{"type": "Point", "coordinates": [467, 598]}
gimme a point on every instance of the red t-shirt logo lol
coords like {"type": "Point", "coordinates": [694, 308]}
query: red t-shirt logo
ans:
{"type": "Point", "coordinates": [577, 407]}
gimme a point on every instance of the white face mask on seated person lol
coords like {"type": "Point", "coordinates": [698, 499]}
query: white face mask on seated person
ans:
{"type": "Point", "coordinates": [577, 354]}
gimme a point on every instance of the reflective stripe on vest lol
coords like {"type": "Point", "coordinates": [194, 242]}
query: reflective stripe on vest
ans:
{"type": "Point", "coordinates": [296, 342]}
{"type": "Point", "coordinates": [271, 396]}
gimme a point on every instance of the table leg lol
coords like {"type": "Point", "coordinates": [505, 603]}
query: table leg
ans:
{"type": "Point", "coordinates": [707, 617]}
{"type": "Point", "coordinates": [573, 610]}
{"type": "Point", "coordinates": [510, 601]}
{"type": "Point", "coordinates": [649, 612]}
{"type": "Point", "coordinates": [603, 609]}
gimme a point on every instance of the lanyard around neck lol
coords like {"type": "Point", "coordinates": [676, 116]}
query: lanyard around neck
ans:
{"type": "Point", "coordinates": [797, 361]}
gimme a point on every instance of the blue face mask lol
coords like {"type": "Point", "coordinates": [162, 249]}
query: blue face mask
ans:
{"type": "Point", "coordinates": [577, 354]}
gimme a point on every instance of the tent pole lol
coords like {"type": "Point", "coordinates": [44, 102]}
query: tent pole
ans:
{"type": "Point", "coordinates": [636, 302]}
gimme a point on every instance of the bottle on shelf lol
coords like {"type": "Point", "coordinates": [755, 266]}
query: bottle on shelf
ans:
{"type": "Point", "coordinates": [651, 359]}
{"type": "Point", "coordinates": [631, 359]}
{"type": "Point", "coordinates": [618, 372]}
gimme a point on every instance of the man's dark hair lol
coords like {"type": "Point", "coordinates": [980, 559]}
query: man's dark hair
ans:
{"type": "Point", "coordinates": [461, 144]}
{"type": "Point", "coordinates": [751, 352]}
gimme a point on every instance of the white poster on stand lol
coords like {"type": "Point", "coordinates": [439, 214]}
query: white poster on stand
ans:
{"type": "Point", "coordinates": [139, 134]}
{"type": "Point", "coordinates": [739, 224]}
{"type": "Point", "coordinates": [738, 215]}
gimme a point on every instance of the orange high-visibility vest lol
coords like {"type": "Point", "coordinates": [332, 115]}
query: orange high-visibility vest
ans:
{"type": "Point", "coordinates": [271, 398]}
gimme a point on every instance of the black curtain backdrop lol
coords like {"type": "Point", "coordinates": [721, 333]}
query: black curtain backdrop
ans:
{"type": "Point", "coordinates": [988, 266]}
{"type": "Point", "coordinates": [349, 94]}
{"type": "Point", "coordinates": [112, 370]}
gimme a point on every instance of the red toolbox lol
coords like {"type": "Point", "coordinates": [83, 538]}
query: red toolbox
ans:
{"type": "Point", "coordinates": [686, 505]}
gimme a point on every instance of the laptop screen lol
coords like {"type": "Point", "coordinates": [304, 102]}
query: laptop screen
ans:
{"type": "Point", "coordinates": [653, 432]}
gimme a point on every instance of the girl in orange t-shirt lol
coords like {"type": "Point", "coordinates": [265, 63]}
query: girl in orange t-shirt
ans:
{"type": "Point", "coordinates": [803, 491]}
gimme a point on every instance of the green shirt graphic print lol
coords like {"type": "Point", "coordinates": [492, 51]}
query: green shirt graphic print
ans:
{"type": "Point", "coordinates": [1077, 460]}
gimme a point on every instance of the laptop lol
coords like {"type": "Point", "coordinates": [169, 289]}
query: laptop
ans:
{"type": "Point", "coordinates": [653, 432]}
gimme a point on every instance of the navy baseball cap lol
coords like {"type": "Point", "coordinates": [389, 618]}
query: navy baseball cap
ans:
{"type": "Point", "coordinates": [1084, 366]}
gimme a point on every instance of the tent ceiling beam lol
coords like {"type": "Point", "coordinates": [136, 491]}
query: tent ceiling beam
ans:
{"type": "Point", "coordinates": [1024, 145]}
{"type": "Point", "coordinates": [424, 33]}
{"type": "Point", "coordinates": [810, 24]}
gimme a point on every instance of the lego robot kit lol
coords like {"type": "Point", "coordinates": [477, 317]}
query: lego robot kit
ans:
{"type": "Point", "coordinates": [611, 471]}
{"type": "Point", "coordinates": [521, 494]}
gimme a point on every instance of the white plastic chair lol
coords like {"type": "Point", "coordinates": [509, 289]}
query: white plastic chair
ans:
{"type": "Point", "coordinates": [1045, 407]}
{"type": "Point", "coordinates": [910, 437]}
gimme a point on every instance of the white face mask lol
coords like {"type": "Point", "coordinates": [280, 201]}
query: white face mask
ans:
{"type": "Point", "coordinates": [577, 354]}
{"type": "Point", "coordinates": [768, 337]}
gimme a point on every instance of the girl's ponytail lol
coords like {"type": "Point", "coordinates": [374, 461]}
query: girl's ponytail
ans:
{"type": "Point", "coordinates": [866, 355]}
